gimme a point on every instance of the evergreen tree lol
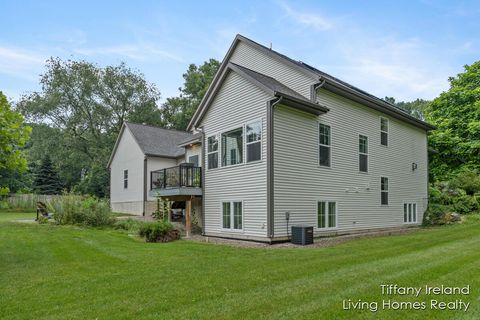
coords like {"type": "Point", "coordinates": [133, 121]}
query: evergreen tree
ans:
{"type": "Point", "coordinates": [46, 179]}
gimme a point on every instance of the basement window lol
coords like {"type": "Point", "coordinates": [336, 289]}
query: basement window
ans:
{"type": "Point", "coordinates": [232, 215]}
{"type": "Point", "coordinates": [326, 214]}
{"type": "Point", "coordinates": [409, 212]}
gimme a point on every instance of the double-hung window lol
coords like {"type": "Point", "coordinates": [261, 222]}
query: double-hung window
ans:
{"type": "Point", "coordinates": [363, 153]}
{"type": "Point", "coordinates": [212, 151]}
{"type": "Point", "coordinates": [384, 190]}
{"type": "Point", "coordinates": [232, 147]}
{"type": "Point", "coordinates": [232, 215]}
{"type": "Point", "coordinates": [324, 147]}
{"type": "Point", "coordinates": [384, 131]}
{"type": "Point", "coordinates": [125, 179]}
{"type": "Point", "coordinates": [254, 141]}
{"type": "Point", "coordinates": [409, 212]}
{"type": "Point", "coordinates": [326, 214]}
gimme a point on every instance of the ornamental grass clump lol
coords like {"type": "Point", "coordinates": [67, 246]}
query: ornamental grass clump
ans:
{"type": "Point", "coordinates": [87, 211]}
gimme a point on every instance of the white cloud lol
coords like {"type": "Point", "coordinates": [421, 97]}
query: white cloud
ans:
{"type": "Point", "coordinates": [132, 51]}
{"type": "Point", "coordinates": [403, 68]}
{"type": "Point", "coordinates": [314, 20]}
{"type": "Point", "coordinates": [375, 60]}
{"type": "Point", "coordinates": [20, 63]}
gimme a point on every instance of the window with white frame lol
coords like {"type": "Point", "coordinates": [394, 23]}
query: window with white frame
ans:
{"type": "Point", "coordinates": [232, 215]}
{"type": "Point", "coordinates": [212, 152]}
{"type": "Point", "coordinates": [410, 212]}
{"type": "Point", "coordinates": [254, 141]}
{"type": "Point", "coordinates": [363, 153]}
{"type": "Point", "coordinates": [384, 190]}
{"type": "Point", "coordinates": [194, 160]}
{"type": "Point", "coordinates": [324, 148]}
{"type": "Point", "coordinates": [232, 147]}
{"type": "Point", "coordinates": [326, 214]}
{"type": "Point", "coordinates": [125, 179]}
{"type": "Point", "coordinates": [384, 131]}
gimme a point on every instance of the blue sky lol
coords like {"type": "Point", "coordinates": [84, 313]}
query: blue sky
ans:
{"type": "Point", "coordinates": [406, 49]}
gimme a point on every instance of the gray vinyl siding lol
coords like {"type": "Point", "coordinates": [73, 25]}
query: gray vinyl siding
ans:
{"type": "Point", "coordinates": [236, 103]}
{"type": "Point", "coordinates": [256, 60]}
{"type": "Point", "coordinates": [128, 156]}
{"type": "Point", "coordinates": [299, 182]}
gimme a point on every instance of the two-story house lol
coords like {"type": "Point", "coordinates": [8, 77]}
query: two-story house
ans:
{"type": "Point", "coordinates": [281, 143]}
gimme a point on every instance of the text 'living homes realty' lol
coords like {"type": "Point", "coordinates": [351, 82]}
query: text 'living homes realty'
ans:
{"type": "Point", "coordinates": [438, 299]}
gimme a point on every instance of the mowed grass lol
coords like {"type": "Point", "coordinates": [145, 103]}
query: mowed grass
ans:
{"type": "Point", "coordinates": [53, 272]}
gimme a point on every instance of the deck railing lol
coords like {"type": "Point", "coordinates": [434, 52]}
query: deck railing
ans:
{"type": "Point", "coordinates": [184, 175]}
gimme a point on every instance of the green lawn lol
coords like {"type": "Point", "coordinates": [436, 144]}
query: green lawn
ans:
{"type": "Point", "coordinates": [51, 272]}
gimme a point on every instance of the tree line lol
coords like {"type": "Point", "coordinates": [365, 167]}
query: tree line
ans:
{"type": "Point", "coordinates": [60, 138]}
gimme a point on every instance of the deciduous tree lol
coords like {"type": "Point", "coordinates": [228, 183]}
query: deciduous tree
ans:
{"type": "Point", "coordinates": [13, 136]}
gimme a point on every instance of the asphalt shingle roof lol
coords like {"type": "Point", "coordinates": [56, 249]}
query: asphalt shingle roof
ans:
{"type": "Point", "coordinates": [156, 141]}
{"type": "Point", "coordinates": [272, 83]}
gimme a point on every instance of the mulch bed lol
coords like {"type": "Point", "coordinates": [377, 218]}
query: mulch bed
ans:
{"type": "Point", "coordinates": [318, 242]}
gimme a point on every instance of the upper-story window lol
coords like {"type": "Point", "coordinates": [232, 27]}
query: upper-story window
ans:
{"type": "Point", "coordinates": [384, 131]}
{"type": "Point", "coordinates": [324, 145]}
{"type": "Point", "coordinates": [125, 179]}
{"type": "Point", "coordinates": [212, 151]}
{"type": "Point", "coordinates": [384, 190]}
{"type": "Point", "coordinates": [363, 153]}
{"type": "Point", "coordinates": [194, 160]}
{"type": "Point", "coordinates": [232, 147]}
{"type": "Point", "coordinates": [254, 141]}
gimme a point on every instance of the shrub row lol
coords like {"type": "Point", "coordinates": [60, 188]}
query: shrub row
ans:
{"type": "Point", "coordinates": [158, 231]}
{"type": "Point", "coordinates": [460, 195]}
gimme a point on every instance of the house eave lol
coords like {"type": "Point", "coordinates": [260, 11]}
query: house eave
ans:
{"type": "Point", "coordinates": [192, 142]}
{"type": "Point", "coordinates": [302, 105]}
{"type": "Point", "coordinates": [164, 156]}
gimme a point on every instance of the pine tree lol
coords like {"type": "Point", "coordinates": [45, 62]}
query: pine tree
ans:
{"type": "Point", "coordinates": [47, 180]}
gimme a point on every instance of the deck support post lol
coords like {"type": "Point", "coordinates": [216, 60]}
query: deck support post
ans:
{"type": "Point", "coordinates": [188, 222]}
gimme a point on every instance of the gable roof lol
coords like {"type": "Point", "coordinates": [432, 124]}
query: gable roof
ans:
{"type": "Point", "coordinates": [154, 141]}
{"type": "Point", "coordinates": [323, 79]}
{"type": "Point", "coordinates": [277, 90]}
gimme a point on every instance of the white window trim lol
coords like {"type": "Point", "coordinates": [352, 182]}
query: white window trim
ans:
{"type": "Point", "coordinates": [387, 132]}
{"type": "Point", "coordinates": [247, 143]}
{"type": "Point", "coordinates": [128, 174]}
{"type": "Point", "coordinates": [416, 212]}
{"type": "Point", "coordinates": [212, 152]}
{"type": "Point", "coordinates": [326, 214]}
{"type": "Point", "coordinates": [388, 191]}
{"type": "Point", "coordinates": [367, 154]}
{"type": "Point", "coordinates": [194, 155]}
{"type": "Point", "coordinates": [320, 144]}
{"type": "Point", "coordinates": [231, 229]}
{"type": "Point", "coordinates": [220, 147]}
{"type": "Point", "coordinates": [218, 134]}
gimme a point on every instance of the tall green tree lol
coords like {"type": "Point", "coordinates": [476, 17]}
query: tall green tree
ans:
{"type": "Point", "coordinates": [456, 113]}
{"type": "Point", "coordinates": [415, 108]}
{"type": "Point", "coordinates": [80, 110]}
{"type": "Point", "coordinates": [46, 179]}
{"type": "Point", "coordinates": [13, 136]}
{"type": "Point", "coordinates": [177, 111]}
